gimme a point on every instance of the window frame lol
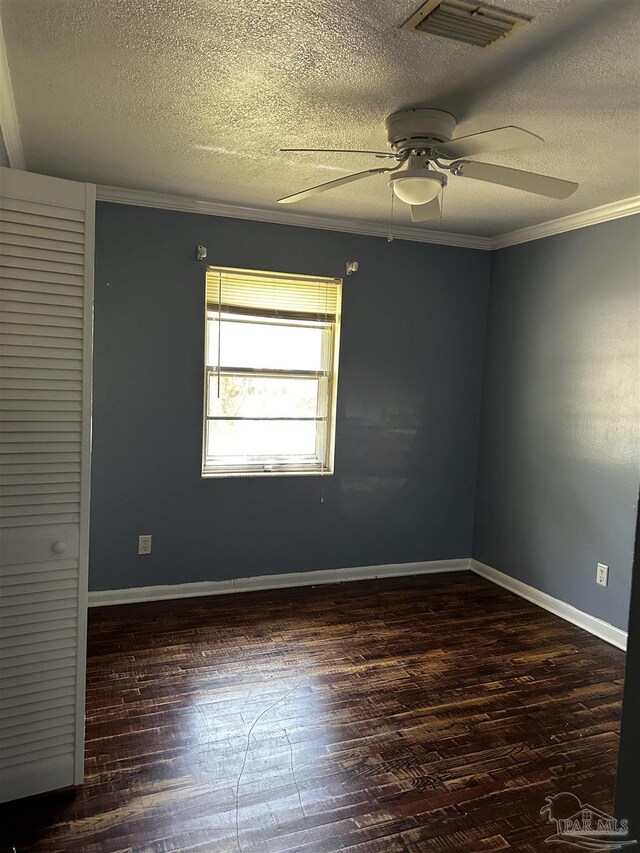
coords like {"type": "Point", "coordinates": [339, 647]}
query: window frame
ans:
{"type": "Point", "coordinates": [323, 463]}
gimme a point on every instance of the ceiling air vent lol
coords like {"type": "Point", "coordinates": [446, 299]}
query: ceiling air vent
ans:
{"type": "Point", "coordinates": [465, 21]}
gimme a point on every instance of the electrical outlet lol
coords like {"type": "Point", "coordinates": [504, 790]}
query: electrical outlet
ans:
{"type": "Point", "coordinates": [144, 543]}
{"type": "Point", "coordinates": [602, 574]}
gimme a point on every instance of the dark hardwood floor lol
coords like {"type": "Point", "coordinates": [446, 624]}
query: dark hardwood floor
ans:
{"type": "Point", "coordinates": [413, 714]}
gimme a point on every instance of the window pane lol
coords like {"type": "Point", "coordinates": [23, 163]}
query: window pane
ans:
{"type": "Point", "coordinates": [263, 397]}
{"type": "Point", "coordinates": [259, 441]}
{"type": "Point", "coordinates": [263, 344]}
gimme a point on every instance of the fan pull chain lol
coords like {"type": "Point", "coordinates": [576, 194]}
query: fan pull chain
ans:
{"type": "Point", "coordinates": [390, 237]}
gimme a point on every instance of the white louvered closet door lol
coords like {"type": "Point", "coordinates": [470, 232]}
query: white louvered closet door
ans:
{"type": "Point", "coordinates": [46, 299]}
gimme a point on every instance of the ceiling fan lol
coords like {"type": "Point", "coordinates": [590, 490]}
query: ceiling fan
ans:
{"type": "Point", "coordinates": [420, 140]}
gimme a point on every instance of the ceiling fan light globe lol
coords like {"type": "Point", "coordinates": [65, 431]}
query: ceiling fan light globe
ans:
{"type": "Point", "coordinates": [418, 186]}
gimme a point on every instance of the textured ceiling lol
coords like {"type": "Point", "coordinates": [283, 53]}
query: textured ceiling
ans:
{"type": "Point", "coordinates": [194, 97]}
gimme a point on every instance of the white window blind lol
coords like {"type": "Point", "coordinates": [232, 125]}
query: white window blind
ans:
{"type": "Point", "coordinates": [273, 294]}
{"type": "Point", "coordinates": [271, 361]}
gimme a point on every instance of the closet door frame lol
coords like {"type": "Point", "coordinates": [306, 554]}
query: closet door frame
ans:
{"type": "Point", "coordinates": [85, 478]}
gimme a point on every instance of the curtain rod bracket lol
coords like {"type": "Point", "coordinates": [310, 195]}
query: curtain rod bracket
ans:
{"type": "Point", "coordinates": [351, 266]}
{"type": "Point", "coordinates": [201, 252]}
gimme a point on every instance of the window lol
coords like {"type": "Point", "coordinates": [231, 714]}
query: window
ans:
{"type": "Point", "coordinates": [271, 368]}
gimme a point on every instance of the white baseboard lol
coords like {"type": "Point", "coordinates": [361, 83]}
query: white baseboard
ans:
{"type": "Point", "coordinates": [188, 590]}
{"type": "Point", "coordinates": [598, 627]}
{"type": "Point", "coordinates": [616, 636]}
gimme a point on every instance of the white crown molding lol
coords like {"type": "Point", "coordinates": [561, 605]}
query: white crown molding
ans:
{"type": "Point", "coordinates": [603, 213]}
{"type": "Point", "coordinates": [190, 590]}
{"type": "Point", "coordinates": [165, 201]}
{"type": "Point", "coordinates": [616, 636]}
{"type": "Point", "coordinates": [8, 118]}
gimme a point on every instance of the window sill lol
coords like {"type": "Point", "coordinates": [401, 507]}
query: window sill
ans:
{"type": "Point", "coordinates": [214, 475]}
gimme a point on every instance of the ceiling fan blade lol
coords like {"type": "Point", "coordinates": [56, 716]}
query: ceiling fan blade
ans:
{"type": "Point", "coordinates": [329, 185]}
{"type": "Point", "coordinates": [528, 181]}
{"type": "Point", "coordinates": [334, 151]}
{"type": "Point", "coordinates": [423, 212]}
{"type": "Point", "coordinates": [490, 140]}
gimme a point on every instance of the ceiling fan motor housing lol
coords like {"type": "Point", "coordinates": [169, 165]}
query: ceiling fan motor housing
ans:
{"type": "Point", "coordinates": [419, 128]}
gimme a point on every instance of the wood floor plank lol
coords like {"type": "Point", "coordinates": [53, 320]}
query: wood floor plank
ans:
{"type": "Point", "coordinates": [410, 714]}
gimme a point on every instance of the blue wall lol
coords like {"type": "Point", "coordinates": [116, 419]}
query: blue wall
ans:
{"type": "Point", "coordinates": [412, 343]}
{"type": "Point", "coordinates": [558, 471]}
